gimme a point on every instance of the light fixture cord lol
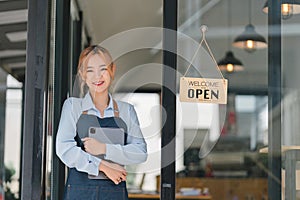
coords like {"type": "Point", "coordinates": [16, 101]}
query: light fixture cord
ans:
{"type": "Point", "coordinates": [250, 11]}
{"type": "Point", "coordinates": [229, 24]}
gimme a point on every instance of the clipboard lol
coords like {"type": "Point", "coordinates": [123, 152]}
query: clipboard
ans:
{"type": "Point", "coordinates": [106, 135]}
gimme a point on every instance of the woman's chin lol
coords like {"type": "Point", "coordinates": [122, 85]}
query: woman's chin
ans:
{"type": "Point", "coordinates": [98, 90]}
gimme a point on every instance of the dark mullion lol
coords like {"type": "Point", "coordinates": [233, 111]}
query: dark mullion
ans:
{"type": "Point", "coordinates": [37, 66]}
{"type": "Point", "coordinates": [274, 102]}
{"type": "Point", "coordinates": [61, 87]}
{"type": "Point", "coordinates": [168, 139]}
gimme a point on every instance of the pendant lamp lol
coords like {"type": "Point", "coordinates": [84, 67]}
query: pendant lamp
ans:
{"type": "Point", "coordinates": [288, 8]}
{"type": "Point", "coordinates": [250, 40]}
{"type": "Point", "coordinates": [230, 63]}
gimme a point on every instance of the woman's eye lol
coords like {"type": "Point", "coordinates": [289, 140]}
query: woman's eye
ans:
{"type": "Point", "coordinates": [89, 71]}
{"type": "Point", "coordinates": [103, 69]}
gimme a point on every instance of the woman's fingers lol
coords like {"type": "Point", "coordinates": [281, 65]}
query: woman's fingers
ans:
{"type": "Point", "coordinates": [93, 146]}
{"type": "Point", "coordinates": [113, 171]}
{"type": "Point", "coordinates": [116, 177]}
{"type": "Point", "coordinates": [120, 179]}
{"type": "Point", "coordinates": [123, 177]}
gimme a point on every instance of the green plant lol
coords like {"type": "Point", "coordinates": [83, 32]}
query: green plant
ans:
{"type": "Point", "coordinates": [9, 172]}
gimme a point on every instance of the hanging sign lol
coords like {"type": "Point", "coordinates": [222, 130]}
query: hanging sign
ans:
{"type": "Point", "coordinates": [203, 90]}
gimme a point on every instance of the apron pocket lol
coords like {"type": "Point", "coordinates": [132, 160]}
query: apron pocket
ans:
{"type": "Point", "coordinates": [112, 193]}
{"type": "Point", "coordinates": [80, 192]}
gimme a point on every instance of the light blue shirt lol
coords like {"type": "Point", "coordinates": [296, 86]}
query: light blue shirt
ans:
{"type": "Point", "coordinates": [134, 152]}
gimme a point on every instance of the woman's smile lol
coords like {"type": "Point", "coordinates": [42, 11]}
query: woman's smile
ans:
{"type": "Point", "coordinates": [98, 83]}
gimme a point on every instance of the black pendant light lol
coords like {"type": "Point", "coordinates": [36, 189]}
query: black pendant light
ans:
{"type": "Point", "coordinates": [288, 8]}
{"type": "Point", "coordinates": [230, 63]}
{"type": "Point", "coordinates": [250, 40]}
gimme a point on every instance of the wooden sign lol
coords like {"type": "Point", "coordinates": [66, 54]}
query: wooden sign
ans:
{"type": "Point", "coordinates": [203, 90]}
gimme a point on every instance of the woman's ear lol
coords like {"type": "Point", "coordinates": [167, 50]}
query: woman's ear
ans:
{"type": "Point", "coordinates": [81, 75]}
{"type": "Point", "coordinates": [113, 70]}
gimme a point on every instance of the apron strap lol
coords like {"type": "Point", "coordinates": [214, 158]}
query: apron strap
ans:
{"type": "Point", "coordinates": [116, 109]}
{"type": "Point", "coordinates": [85, 112]}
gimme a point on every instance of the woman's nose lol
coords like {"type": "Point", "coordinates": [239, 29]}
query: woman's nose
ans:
{"type": "Point", "coordinates": [99, 73]}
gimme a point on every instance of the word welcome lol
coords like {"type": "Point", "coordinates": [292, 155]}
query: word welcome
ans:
{"type": "Point", "coordinates": [203, 83]}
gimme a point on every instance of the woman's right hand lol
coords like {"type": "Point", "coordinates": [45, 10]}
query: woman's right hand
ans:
{"type": "Point", "coordinates": [113, 171]}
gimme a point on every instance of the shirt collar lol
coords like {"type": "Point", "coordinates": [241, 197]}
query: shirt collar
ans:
{"type": "Point", "coordinates": [87, 102]}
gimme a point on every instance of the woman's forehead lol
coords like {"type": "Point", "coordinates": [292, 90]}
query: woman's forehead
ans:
{"type": "Point", "coordinates": [96, 60]}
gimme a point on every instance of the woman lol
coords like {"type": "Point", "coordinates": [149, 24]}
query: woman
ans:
{"type": "Point", "coordinates": [97, 108]}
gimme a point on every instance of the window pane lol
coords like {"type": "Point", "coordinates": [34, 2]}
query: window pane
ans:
{"type": "Point", "coordinates": [12, 147]}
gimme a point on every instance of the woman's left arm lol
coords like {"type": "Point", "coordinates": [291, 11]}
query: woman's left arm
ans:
{"type": "Point", "coordinates": [135, 151]}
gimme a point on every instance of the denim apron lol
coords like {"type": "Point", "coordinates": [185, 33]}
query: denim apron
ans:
{"type": "Point", "coordinates": [79, 186]}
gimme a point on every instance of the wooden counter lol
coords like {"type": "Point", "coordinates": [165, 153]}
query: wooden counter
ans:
{"type": "Point", "coordinates": [226, 188]}
{"type": "Point", "coordinates": [283, 149]}
{"type": "Point", "coordinates": [156, 196]}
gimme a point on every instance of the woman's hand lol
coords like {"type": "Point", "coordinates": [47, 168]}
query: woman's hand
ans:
{"type": "Point", "coordinates": [94, 147]}
{"type": "Point", "coordinates": [113, 171]}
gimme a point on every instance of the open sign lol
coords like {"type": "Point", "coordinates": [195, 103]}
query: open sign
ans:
{"type": "Point", "coordinates": [203, 90]}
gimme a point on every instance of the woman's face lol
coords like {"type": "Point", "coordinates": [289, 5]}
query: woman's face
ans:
{"type": "Point", "coordinates": [97, 76]}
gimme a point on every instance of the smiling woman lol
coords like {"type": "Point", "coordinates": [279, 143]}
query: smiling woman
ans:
{"type": "Point", "coordinates": [91, 176]}
{"type": "Point", "coordinates": [96, 69]}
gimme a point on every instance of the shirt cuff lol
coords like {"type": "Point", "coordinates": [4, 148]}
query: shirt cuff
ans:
{"type": "Point", "coordinates": [94, 163]}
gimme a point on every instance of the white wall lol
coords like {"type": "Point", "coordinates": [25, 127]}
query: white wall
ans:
{"type": "Point", "coordinates": [13, 128]}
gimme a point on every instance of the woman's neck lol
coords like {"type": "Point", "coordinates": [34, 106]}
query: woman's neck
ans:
{"type": "Point", "coordinates": [100, 100]}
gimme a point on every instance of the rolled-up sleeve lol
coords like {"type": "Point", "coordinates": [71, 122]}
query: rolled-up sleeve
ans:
{"type": "Point", "coordinates": [135, 151]}
{"type": "Point", "coordinates": [66, 148]}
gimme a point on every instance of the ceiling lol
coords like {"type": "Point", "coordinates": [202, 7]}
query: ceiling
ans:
{"type": "Point", "coordinates": [13, 26]}
{"type": "Point", "coordinates": [104, 19]}
{"type": "Point", "coordinates": [125, 25]}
